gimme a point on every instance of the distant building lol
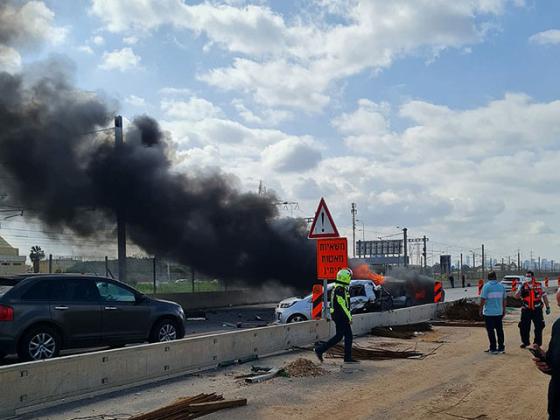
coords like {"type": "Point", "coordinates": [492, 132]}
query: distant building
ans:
{"type": "Point", "coordinates": [10, 260]}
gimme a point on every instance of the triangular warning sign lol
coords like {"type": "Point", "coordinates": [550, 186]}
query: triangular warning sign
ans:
{"type": "Point", "coordinates": [323, 225]}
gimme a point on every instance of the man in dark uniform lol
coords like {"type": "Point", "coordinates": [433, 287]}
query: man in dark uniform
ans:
{"type": "Point", "coordinates": [340, 313]}
{"type": "Point", "coordinates": [533, 296]}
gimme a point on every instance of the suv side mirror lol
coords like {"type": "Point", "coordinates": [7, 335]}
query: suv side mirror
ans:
{"type": "Point", "coordinates": [140, 298]}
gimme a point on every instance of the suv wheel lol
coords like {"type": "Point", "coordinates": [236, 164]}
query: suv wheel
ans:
{"type": "Point", "coordinates": [164, 330]}
{"type": "Point", "coordinates": [296, 318]}
{"type": "Point", "coordinates": [39, 343]}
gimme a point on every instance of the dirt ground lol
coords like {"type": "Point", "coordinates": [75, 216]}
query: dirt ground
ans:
{"type": "Point", "coordinates": [458, 380]}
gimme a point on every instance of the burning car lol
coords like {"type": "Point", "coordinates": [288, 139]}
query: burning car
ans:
{"type": "Point", "coordinates": [365, 296]}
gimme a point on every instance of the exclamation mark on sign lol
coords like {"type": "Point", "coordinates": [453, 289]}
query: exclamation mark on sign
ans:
{"type": "Point", "coordinates": [322, 222]}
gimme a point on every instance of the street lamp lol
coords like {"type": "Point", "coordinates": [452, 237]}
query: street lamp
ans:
{"type": "Point", "coordinates": [363, 230]}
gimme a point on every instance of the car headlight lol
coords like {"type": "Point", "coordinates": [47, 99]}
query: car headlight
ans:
{"type": "Point", "coordinates": [286, 305]}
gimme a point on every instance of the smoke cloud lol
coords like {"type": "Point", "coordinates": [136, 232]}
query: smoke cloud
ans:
{"type": "Point", "coordinates": [69, 177]}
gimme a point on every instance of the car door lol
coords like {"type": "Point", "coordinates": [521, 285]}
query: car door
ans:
{"type": "Point", "coordinates": [124, 318]}
{"type": "Point", "coordinates": [75, 307]}
{"type": "Point", "coordinates": [358, 298]}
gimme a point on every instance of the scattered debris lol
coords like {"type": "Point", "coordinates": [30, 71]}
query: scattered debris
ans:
{"type": "Point", "coordinates": [302, 368]}
{"type": "Point", "coordinates": [459, 323]}
{"type": "Point", "coordinates": [246, 324]}
{"type": "Point", "coordinates": [463, 309]}
{"type": "Point", "coordinates": [263, 376]}
{"type": "Point", "coordinates": [191, 407]}
{"type": "Point", "coordinates": [512, 302]}
{"type": "Point", "coordinates": [402, 331]}
{"type": "Point", "coordinates": [195, 316]}
{"type": "Point", "coordinates": [372, 353]}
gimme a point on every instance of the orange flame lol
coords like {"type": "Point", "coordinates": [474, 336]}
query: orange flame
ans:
{"type": "Point", "coordinates": [420, 295]}
{"type": "Point", "coordinates": [362, 271]}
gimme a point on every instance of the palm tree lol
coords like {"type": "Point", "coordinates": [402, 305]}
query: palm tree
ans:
{"type": "Point", "coordinates": [36, 255]}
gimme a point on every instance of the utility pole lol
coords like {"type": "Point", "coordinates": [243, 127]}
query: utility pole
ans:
{"type": "Point", "coordinates": [154, 273]}
{"type": "Point", "coordinates": [461, 269]}
{"type": "Point", "coordinates": [354, 212]}
{"type": "Point", "coordinates": [539, 266]}
{"type": "Point", "coordinates": [405, 243]}
{"type": "Point", "coordinates": [518, 260]}
{"type": "Point", "coordinates": [121, 223]}
{"type": "Point", "coordinates": [482, 261]}
{"type": "Point", "coordinates": [424, 240]}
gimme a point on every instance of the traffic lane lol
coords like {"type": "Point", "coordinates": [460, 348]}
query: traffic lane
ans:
{"type": "Point", "coordinates": [215, 321]}
{"type": "Point", "coordinates": [228, 319]}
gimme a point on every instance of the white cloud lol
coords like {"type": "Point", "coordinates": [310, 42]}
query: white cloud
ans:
{"type": "Point", "coordinates": [98, 40]}
{"type": "Point", "coordinates": [539, 228]}
{"type": "Point", "coordinates": [135, 101]}
{"type": "Point", "coordinates": [10, 60]}
{"type": "Point", "coordinates": [550, 37]}
{"type": "Point", "coordinates": [476, 173]}
{"type": "Point", "coordinates": [85, 49]}
{"type": "Point", "coordinates": [194, 109]}
{"type": "Point", "coordinates": [25, 27]}
{"type": "Point", "coordinates": [266, 117]}
{"type": "Point", "coordinates": [122, 60]}
{"type": "Point", "coordinates": [292, 155]}
{"type": "Point", "coordinates": [294, 63]}
{"type": "Point", "coordinates": [130, 40]}
{"type": "Point", "coordinates": [171, 91]}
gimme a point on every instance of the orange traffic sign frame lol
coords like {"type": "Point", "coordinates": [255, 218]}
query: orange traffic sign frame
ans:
{"type": "Point", "coordinates": [332, 256]}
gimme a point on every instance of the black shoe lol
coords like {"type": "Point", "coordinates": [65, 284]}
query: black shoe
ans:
{"type": "Point", "coordinates": [523, 346]}
{"type": "Point", "coordinates": [489, 351]}
{"type": "Point", "coordinates": [319, 355]}
{"type": "Point", "coordinates": [352, 361]}
{"type": "Point", "coordinates": [502, 351]}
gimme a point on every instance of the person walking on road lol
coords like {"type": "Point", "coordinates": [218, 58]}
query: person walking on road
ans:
{"type": "Point", "coordinates": [533, 296]}
{"type": "Point", "coordinates": [493, 308]}
{"type": "Point", "coordinates": [452, 281]}
{"type": "Point", "coordinates": [549, 363]}
{"type": "Point", "coordinates": [340, 312]}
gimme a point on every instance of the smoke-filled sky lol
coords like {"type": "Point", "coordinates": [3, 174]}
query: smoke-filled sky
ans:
{"type": "Point", "coordinates": [437, 115]}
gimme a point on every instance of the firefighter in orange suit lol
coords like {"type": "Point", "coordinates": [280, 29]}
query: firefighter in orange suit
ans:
{"type": "Point", "coordinates": [533, 296]}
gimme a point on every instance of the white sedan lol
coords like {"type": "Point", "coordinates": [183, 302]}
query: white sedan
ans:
{"type": "Point", "coordinates": [363, 296]}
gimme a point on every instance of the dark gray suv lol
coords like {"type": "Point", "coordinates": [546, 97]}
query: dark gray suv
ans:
{"type": "Point", "coordinates": [41, 314]}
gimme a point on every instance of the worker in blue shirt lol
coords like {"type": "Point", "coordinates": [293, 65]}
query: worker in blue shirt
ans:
{"type": "Point", "coordinates": [493, 308]}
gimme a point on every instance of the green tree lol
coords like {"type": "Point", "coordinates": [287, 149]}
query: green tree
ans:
{"type": "Point", "coordinates": [36, 255]}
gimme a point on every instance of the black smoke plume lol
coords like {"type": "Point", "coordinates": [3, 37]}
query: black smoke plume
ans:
{"type": "Point", "coordinates": [69, 177]}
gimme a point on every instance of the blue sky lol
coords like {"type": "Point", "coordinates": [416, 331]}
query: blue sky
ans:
{"type": "Point", "coordinates": [442, 116]}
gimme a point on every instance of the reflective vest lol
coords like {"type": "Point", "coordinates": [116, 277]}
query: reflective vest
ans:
{"type": "Point", "coordinates": [343, 303]}
{"type": "Point", "coordinates": [531, 294]}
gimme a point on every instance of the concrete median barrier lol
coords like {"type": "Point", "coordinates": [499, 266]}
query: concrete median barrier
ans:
{"type": "Point", "coordinates": [27, 386]}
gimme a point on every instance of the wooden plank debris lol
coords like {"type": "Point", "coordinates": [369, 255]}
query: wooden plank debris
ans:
{"type": "Point", "coordinates": [191, 407]}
